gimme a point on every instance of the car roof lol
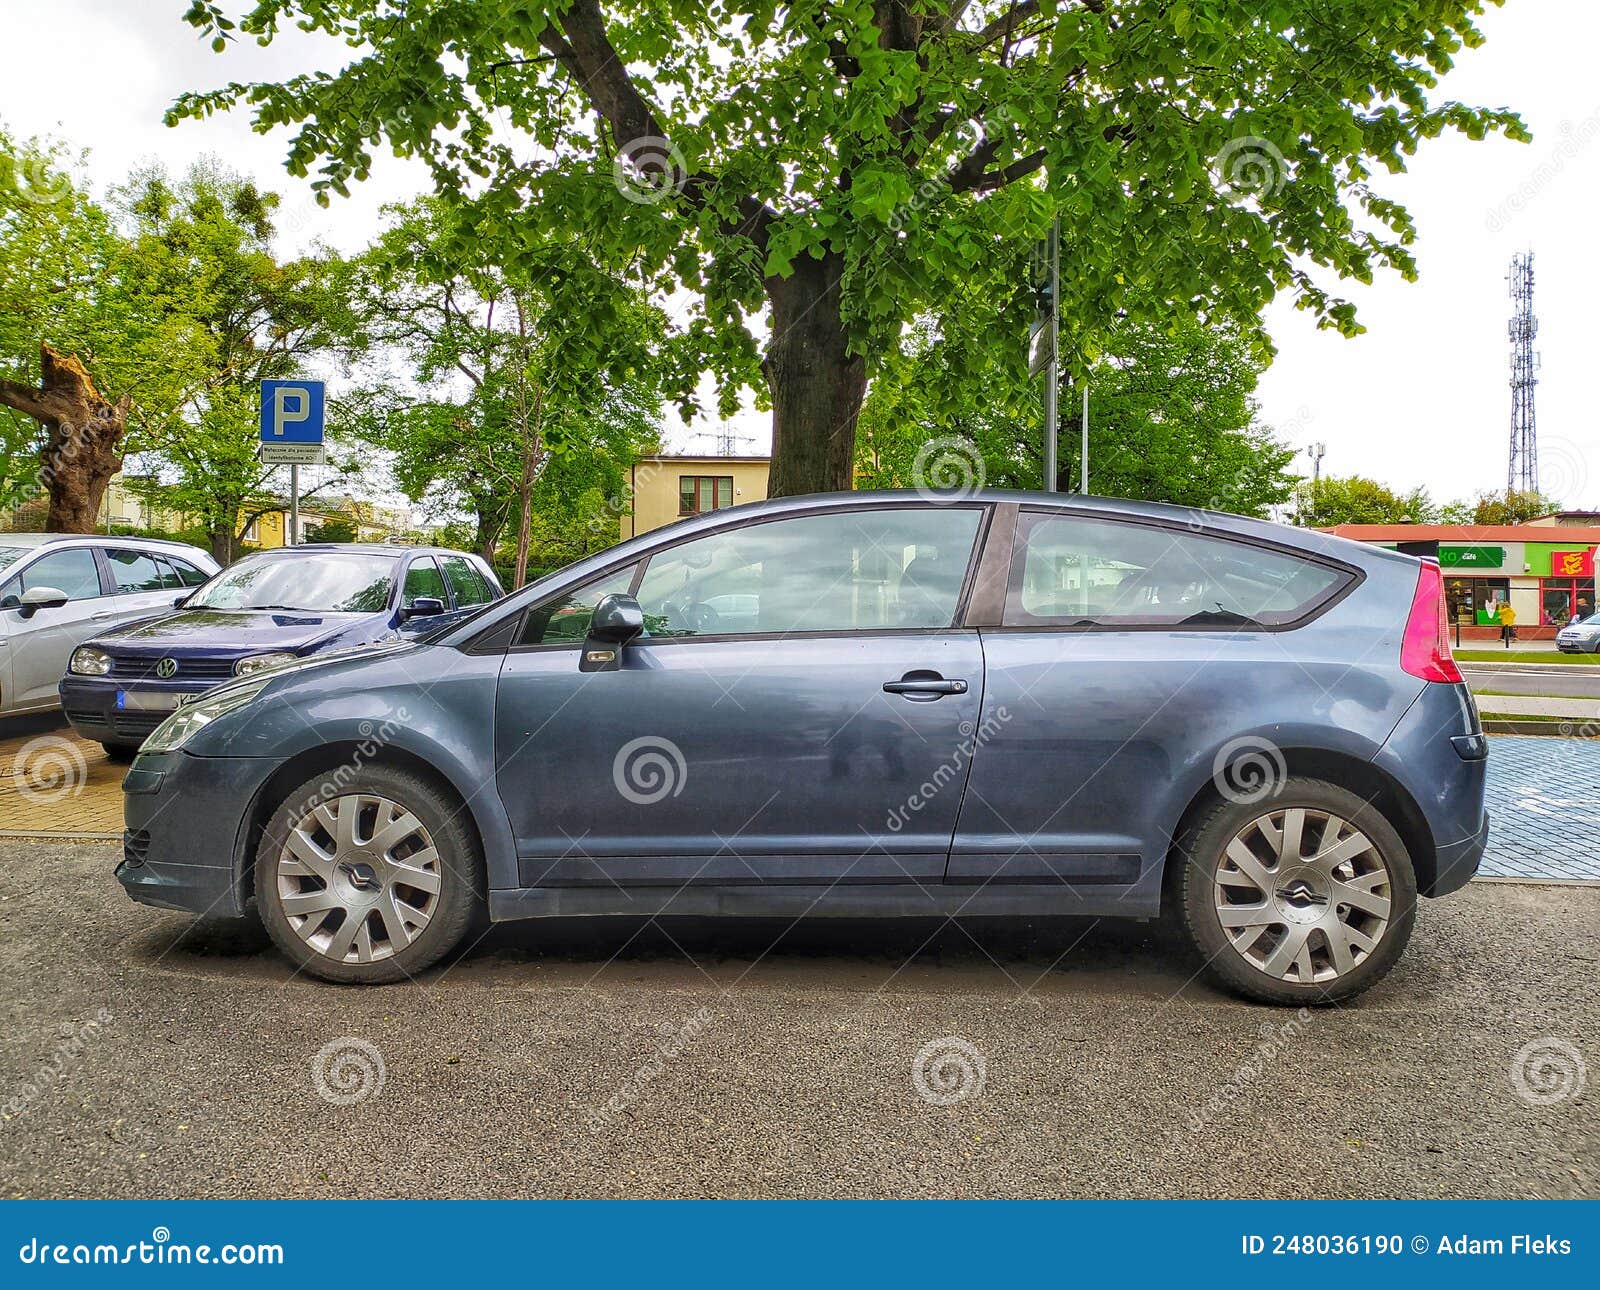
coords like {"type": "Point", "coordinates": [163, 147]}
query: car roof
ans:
{"type": "Point", "coordinates": [67, 539]}
{"type": "Point", "coordinates": [361, 548]}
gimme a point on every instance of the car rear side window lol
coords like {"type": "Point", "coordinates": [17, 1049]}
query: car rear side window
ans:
{"type": "Point", "coordinates": [134, 571]}
{"type": "Point", "coordinates": [468, 584]}
{"type": "Point", "coordinates": [1076, 571]}
{"type": "Point", "coordinates": [188, 574]}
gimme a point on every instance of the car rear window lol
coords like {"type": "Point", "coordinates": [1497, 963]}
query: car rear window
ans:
{"type": "Point", "coordinates": [1077, 571]}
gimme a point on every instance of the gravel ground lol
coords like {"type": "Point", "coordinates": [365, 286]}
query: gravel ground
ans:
{"type": "Point", "coordinates": [607, 1058]}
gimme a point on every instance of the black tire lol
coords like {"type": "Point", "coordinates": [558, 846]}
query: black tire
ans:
{"type": "Point", "coordinates": [1199, 856]}
{"type": "Point", "coordinates": [460, 872]}
{"type": "Point", "coordinates": [120, 753]}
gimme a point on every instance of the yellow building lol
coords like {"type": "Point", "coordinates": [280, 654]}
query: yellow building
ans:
{"type": "Point", "coordinates": [667, 487]}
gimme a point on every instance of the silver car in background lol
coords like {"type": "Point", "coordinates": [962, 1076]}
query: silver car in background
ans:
{"type": "Point", "coordinates": [59, 589]}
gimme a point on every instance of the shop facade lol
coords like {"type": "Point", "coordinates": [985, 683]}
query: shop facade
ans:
{"type": "Point", "coordinates": [1545, 570]}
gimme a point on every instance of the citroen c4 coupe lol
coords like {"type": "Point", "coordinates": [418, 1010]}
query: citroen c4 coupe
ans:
{"type": "Point", "coordinates": [59, 589]}
{"type": "Point", "coordinates": [867, 704]}
{"type": "Point", "coordinates": [268, 609]}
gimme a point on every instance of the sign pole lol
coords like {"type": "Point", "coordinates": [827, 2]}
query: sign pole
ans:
{"type": "Point", "coordinates": [1052, 370]}
{"type": "Point", "coordinates": [1085, 489]}
{"type": "Point", "coordinates": [294, 506]}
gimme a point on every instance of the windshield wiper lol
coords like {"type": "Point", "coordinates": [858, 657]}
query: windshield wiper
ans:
{"type": "Point", "coordinates": [1220, 617]}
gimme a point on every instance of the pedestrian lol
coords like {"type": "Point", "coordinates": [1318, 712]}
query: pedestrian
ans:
{"type": "Point", "coordinates": [1508, 623]}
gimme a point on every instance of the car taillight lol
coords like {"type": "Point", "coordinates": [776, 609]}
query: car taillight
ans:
{"type": "Point", "coordinates": [1425, 649]}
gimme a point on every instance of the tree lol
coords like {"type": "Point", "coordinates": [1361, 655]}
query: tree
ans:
{"type": "Point", "coordinates": [93, 351]}
{"type": "Point", "coordinates": [1171, 418]}
{"type": "Point", "coordinates": [514, 370]}
{"type": "Point", "coordinates": [336, 528]}
{"type": "Point", "coordinates": [1359, 500]}
{"type": "Point", "coordinates": [839, 169]}
{"type": "Point", "coordinates": [1511, 507]}
{"type": "Point", "coordinates": [210, 236]}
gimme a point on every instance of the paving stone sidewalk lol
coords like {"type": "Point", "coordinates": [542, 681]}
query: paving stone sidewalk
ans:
{"type": "Point", "coordinates": [1544, 807]}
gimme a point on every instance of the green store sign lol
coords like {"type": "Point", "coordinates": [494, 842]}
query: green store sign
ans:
{"type": "Point", "coordinates": [1472, 557]}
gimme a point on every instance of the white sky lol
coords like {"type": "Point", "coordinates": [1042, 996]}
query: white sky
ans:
{"type": "Point", "coordinates": [1421, 399]}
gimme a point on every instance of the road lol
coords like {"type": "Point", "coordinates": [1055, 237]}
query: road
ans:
{"type": "Point", "coordinates": [1554, 680]}
{"type": "Point", "coordinates": [602, 1058]}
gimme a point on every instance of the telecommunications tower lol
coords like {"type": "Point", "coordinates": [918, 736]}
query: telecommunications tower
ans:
{"type": "Point", "coordinates": [1522, 475]}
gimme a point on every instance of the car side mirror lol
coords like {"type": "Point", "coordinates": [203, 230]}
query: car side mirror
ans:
{"type": "Point", "coordinates": [178, 602]}
{"type": "Point", "coordinates": [424, 607]}
{"type": "Point", "coordinates": [616, 621]}
{"type": "Point", "coordinates": [36, 598]}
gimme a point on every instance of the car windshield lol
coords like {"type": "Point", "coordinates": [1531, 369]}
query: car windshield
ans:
{"type": "Point", "coordinates": [327, 582]}
{"type": "Point", "coordinates": [9, 555]}
{"type": "Point", "coordinates": [1593, 620]}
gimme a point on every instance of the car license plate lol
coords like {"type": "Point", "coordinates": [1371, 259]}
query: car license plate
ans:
{"type": "Point", "coordinates": [148, 700]}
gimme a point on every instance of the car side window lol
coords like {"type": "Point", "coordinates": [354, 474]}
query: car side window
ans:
{"type": "Point", "coordinates": [188, 574]}
{"type": "Point", "coordinates": [467, 583]}
{"type": "Point", "coordinates": [852, 570]}
{"type": "Point", "coordinates": [1076, 571]}
{"type": "Point", "coordinates": [169, 575]}
{"type": "Point", "coordinates": [71, 571]}
{"type": "Point", "coordinates": [133, 571]}
{"type": "Point", "coordinates": [423, 579]}
{"type": "Point", "coordinates": [564, 619]}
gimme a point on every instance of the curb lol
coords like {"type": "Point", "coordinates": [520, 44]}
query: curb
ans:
{"type": "Point", "coordinates": [45, 835]}
{"type": "Point", "coordinates": [1549, 729]}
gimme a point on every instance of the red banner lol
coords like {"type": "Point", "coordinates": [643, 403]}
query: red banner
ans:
{"type": "Point", "coordinates": [1572, 564]}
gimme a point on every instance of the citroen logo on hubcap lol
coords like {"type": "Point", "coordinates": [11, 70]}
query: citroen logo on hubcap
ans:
{"type": "Point", "coordinates": [167, 668]}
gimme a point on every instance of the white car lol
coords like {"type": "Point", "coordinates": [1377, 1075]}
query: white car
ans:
{"type": "Point", "coordinates": [1580, 637]}
{"type": "Point", "coordinates": [59, 589]}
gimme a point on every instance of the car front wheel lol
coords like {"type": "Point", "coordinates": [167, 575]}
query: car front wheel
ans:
{"type": "Point", "coordinates": [370, 881]}
{"type": "Point", "coordinates": [1306, 897]}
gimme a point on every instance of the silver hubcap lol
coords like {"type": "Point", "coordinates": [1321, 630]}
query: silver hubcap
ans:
{"type": "Point", "coordinates": [1303, 895]}
{"type": "Point", "coordinates": [358, 878]}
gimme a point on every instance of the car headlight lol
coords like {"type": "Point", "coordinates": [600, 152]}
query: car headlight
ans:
{"type": "Point", "coordinates": [88, 661]}
{"type": "Point", "coordinates": [189, 720]}
{"type": "Point", "coordinates": [257, 662]}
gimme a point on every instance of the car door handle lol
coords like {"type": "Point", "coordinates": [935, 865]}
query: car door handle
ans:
{"type": "Point", "coordinates": [927, 685]}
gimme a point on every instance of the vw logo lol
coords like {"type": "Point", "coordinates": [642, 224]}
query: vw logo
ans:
{"type": "Point", "coordinates": [167, 668]}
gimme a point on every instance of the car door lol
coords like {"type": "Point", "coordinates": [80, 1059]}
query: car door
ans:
{"type": "Point", "coordinates": [40, 643]}
{"type": "Point", "coordinates": [1124, 655]}
{"type": "Point", "coordinates": [798, 711]}
{"type": "Point", "coordinates": [142, 583]}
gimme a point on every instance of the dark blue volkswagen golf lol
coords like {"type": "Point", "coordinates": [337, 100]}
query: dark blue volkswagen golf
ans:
{"type": "Point", "coordinates": [269, 609]}
{"type": "Point", "coordinates": [866, 704]}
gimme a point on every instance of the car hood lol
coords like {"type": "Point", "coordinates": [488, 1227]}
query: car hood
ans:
{"type": "Point", "coordinates": [252, 631]}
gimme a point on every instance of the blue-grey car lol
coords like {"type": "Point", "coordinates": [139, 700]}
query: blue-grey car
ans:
{"type": "Point", "coordinates": [867, 704]}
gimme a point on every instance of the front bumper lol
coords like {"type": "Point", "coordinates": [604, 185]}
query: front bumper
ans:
{"type": "Point", "coordinates": [187, 829]}
{"type": "Point", "coordinates": [90, 704]}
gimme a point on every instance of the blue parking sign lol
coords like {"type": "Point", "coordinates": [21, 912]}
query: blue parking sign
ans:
{"type": "Point", "coordinates": [291, 411]}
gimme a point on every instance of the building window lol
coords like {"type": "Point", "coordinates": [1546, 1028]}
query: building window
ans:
{"type": "Point", "coordinates": [1560, 598]}
{"type": "Point", "coordinates": [1476, 601]}
{"type": "Point", "coordinates": [700, 493]}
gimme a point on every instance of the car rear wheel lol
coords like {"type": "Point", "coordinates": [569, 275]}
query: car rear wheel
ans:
{"type": "Point", "coordinates": [120, 752]}
{"type": "Point", "coordinates": [1306, 897]}
{"type": "Point", "coordinates": [370, 882]}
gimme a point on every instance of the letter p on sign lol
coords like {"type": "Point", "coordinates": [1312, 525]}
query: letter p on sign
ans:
{"type": "Point", "coordinates": [291, 411]}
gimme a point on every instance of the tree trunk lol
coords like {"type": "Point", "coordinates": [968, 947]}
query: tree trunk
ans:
{"type": "Point", "coordinates": [221, 542]}
{"type": "Point", "coordinates": [83, 432]}
{"type": "Point", "coordinates": [817, 385]}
